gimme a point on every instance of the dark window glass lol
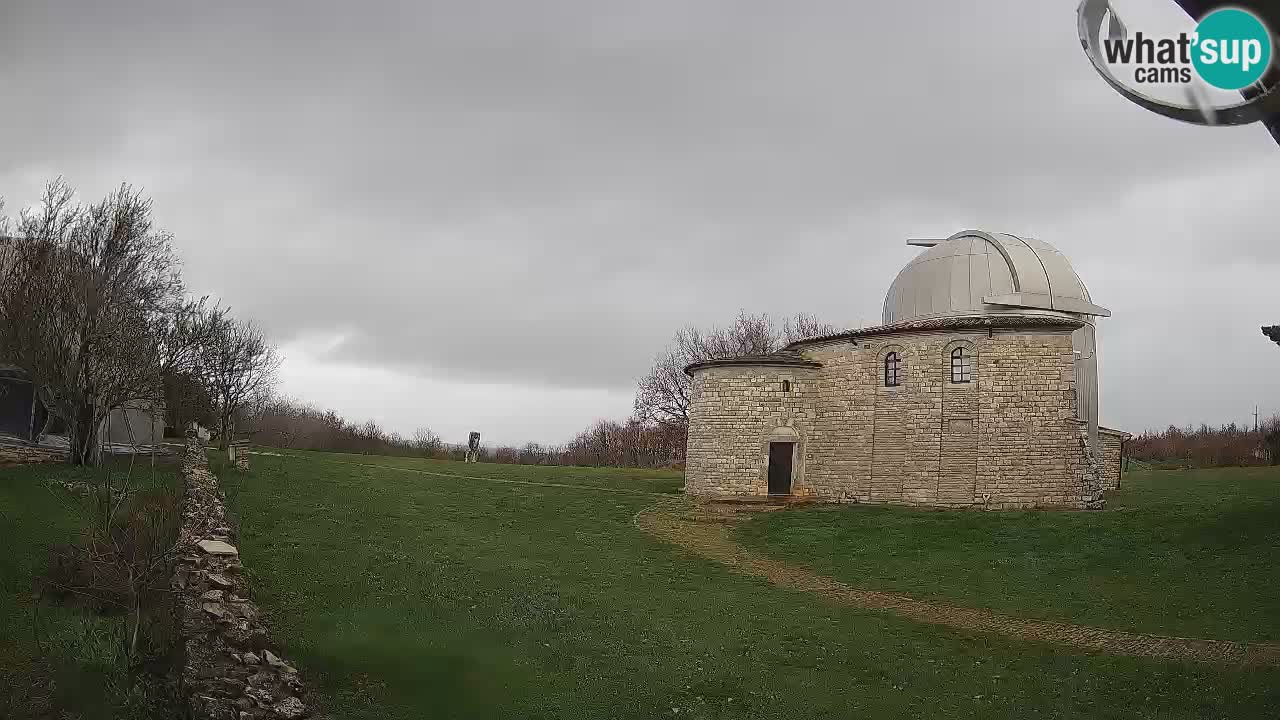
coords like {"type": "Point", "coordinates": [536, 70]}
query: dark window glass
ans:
{"type": "Point", "coordinates": [892, 370]}
{"type": "Point", "coordinates": [961, 366]}
{"type": "Point", "coordinates": [786, 386]}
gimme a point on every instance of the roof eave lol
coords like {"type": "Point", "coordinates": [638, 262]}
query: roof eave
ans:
{"type": "Point", "coordinates": [948, 322]}
{"type": "Point", "coordinates": [750, 362]}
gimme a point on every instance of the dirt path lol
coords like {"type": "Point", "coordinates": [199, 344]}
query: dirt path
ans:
{"type": "Point", "coordinates": [706, 532]}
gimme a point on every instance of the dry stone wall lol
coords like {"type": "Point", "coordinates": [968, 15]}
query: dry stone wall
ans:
{"type": "Point", "coordinates": [231, 670]}
{"type": "Point", "coordinates": [1007, 439]}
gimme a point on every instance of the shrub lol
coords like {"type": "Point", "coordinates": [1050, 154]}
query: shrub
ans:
{"type": "Point", "coordinates": [121, 567]}
{"type": "Point", "coordinates": [1206, 446]}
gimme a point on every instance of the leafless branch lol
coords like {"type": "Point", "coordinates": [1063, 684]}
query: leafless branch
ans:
{"type": "Point", "coordinates": [240, 367]}
{"type": "Point", "coordinates": [84, 293]}
{"type": "Point", "coordinates": [664, 393]}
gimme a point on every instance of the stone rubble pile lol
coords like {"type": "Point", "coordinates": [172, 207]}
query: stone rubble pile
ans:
{"type": "Point", "coordinates": [75, 487]}
{"type": "Point", "coordinates": [17, 455]}
{"type": "Point", "coordinates": [231, 670]}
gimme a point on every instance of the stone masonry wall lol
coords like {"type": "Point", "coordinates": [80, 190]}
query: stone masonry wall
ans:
{"type": "Point", "coordinates": [230, 669]}
{"type": "Point", "coordinates": [1112, 444]}
{"type": "Point", "coordinates": [874, 443]}
{"type": "Point", "coordinates": [1034, 451]}
{"type": "Point", "coordinates": [1008, 439]}
{"type": "Point", "coordinates": [733, 413]}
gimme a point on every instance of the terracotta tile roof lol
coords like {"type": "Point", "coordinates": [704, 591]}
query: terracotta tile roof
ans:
{"type": "Point", "coordinates": [784, 358]}
{"type": "Point", "coordinates": [952, 322]}
{"type": "Point", "coordinates": [789, 357]}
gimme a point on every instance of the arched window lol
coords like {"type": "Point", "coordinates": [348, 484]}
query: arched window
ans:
{"type": "Point", "coordinates": [961, 366]}
{"type": "Point", "coordinates": [892, 370]}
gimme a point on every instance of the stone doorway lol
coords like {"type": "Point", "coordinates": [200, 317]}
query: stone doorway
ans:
{"type": "Point", "coordinates": [780, 457]}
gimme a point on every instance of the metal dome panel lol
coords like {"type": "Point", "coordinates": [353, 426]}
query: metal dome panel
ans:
{"type": "Point", "coordinates": [978, 272]}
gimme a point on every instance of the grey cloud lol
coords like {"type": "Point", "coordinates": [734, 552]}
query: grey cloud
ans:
{"type": "Point", "coordinates": [541, 193]}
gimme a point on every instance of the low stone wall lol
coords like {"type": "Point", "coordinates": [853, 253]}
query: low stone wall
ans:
{"type": "Point", "coordinates": [230, 669]}
{"type": "Point", "coordinates": [1112, 456]}
{"type": "Point", "coordinates": [15, 455]}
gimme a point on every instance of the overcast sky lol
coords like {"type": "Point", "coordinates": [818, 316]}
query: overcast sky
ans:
{"type": "Point", "coordinates": [491, 215]}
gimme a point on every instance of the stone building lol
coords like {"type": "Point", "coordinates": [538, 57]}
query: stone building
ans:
{"type": "Point", "coordinates": [979, 389]}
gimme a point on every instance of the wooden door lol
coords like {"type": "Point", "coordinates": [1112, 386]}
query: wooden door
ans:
{"type": "Point", "coordinates": [780, 467]}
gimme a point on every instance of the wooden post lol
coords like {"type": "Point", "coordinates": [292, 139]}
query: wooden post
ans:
{"type": "Point", "coordinates": [31, 433]}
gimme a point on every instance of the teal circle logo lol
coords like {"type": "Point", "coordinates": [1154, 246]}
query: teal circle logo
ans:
{"type": "Point", "coordinates": [1232, 49]}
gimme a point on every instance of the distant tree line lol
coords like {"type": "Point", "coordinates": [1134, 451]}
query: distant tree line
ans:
{"type": "Point", "coordinates": [1208, 446]}
{"type": "Point", "coordinates": [656, 433]}
{"type": "Point", "coordinates": [654, 436]}
{"type": "Point", "coordinates": [288, 423]}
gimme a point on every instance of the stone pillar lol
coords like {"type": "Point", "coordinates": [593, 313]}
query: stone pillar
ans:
{"type": "Point", "coordinates": [238, 454]}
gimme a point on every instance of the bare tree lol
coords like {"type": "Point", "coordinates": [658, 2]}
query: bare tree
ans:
{"type": "Point", "coordinates": [426, 442]}
{"type": "Point", "coordinates": [239, 366]}
{"type": "Point", "coordinates": [599, 439]}
{"type": "Point", "coordinates": [534, 454]}
{"type": "Point", "coordinates": [83, 293]}
{"type": "Point", "coordinates": [804, 327]}
{"type": "Point", "coordinates": [664, 393]}
{"type": "Point", "coordinates": [187, 330]}
{"type": "Point", "coordinates": [187, 400]}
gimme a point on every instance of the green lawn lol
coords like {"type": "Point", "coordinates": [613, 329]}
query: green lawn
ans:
{"type": "Point", "coordinates": [1189, 553]}
{"type": "Point", "coordinates": [403, 594]}
{"type": "Point", "coordinates": [75, 670]}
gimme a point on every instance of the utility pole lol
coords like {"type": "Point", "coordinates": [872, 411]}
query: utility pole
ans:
{"type": "Point", "coordinates": [1255, 418]}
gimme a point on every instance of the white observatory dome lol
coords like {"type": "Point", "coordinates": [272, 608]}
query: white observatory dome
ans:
{"type": "Point", "coordinates": [975, 272]}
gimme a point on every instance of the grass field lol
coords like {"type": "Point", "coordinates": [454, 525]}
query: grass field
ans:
{"type": "Point", "coordinates": [75, 669]}
{"type": "Point", "coordinates": [1190, 553]}
{"type": "Point", "coordinates": [406, 591]}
